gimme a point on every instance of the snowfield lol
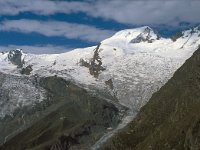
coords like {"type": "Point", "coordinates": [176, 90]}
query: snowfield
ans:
{"type": "Point", "coordinates": [136, 62]}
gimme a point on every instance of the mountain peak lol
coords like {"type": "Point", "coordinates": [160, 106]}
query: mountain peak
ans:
{"type": "Point", "coordinates": [132, 32]}
{"type": "Point", "coordinates": [147, 35]}
{"type": "Point", "coordinates": [136, 35]}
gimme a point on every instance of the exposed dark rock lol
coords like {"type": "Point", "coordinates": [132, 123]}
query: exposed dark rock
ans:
{"type": "Point", "coordinates": [143, 38]}
{"type": "Point", "coordinates": [84, 63]}
{"type": "Point", "coordinates": [95, 65]}
{"type": "Point", "coordinates": [110, 84]}
{"type": "Point", "coordinates": [64, 143]}
{"type": "Point", "coordinates": [27, 70]}
{"type": "Point", "coordinates": [192, 140]}
{"type": "Point", "coordinates": [15, 57]}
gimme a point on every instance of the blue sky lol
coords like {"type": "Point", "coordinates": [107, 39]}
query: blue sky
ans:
{"type": "Point", "coordinates": [47, 26]}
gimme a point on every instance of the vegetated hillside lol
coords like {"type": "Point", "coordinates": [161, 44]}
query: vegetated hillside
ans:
{"type": "Point", "coordinates": [171, 119]}
{"type": "Point", "coordinates": [69, 117]}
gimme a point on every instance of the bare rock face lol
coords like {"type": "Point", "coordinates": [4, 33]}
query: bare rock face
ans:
{"type": "Point", "coordinates": [110, 84]}
{"type": "Point", "coordinates": [15, 57]}
{"type": "Point", "coordinates": [27, 70]}
{"type": "Point", "coordinates": [95, 64]}
{"type": "Point", "coordinates": [145, 36]}
{"type": "Point", "coordinates": [192, 140]}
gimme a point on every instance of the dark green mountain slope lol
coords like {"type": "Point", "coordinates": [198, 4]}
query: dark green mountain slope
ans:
{"type": "Point", "coordinates": [70, 118]}
{"type": "Point", "coordinates": [171, 119]}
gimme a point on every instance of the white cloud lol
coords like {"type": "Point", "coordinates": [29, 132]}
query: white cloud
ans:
{"type": "Point", "coordinates": [123, 11]}
{"type": "Point", "coordinates": [36, 49]}
{"type": "Point", "coordinates": [148, 11]}
{"type": "Point", "coordinates": [42, 7]}
{"type": "Point", "coordinates": [56, 28]}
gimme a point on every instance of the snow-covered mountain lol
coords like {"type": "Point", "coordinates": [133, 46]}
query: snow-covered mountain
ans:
{"type": "Point", "coordinates": [132, 64]}
{"type": "Point", "coordinates": [125, 69]}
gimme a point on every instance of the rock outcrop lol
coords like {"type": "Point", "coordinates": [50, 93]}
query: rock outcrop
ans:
{"type": "Point", "coordinates": [15, 57]}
